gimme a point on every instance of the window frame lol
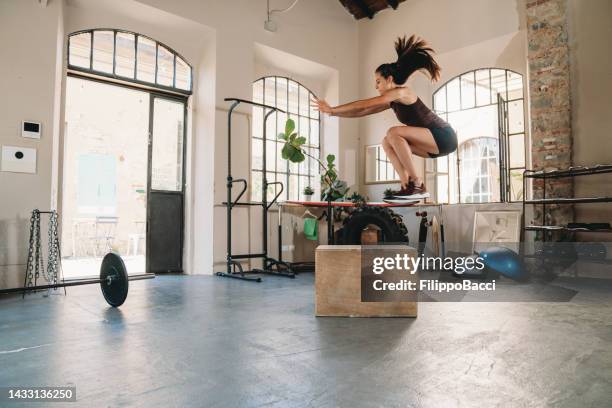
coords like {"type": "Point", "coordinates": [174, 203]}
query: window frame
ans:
{"type": "Point", "coordinates": [504, 162]}
{"type": "Point", "coordinates": [287, 173]}
{"type": "Point", "coordinates": [134, 79]}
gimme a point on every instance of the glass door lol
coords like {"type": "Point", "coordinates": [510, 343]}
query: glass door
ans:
{"type": "Point", "coordinates": [105, 166]}
{"type": "Point", "coordinates": [166, 184]}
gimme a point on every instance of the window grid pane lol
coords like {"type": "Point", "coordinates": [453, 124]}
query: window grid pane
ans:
{"type": "Point", "coordinates": [383, 168]}
{"type": "Point", "coordinates": [80, 50]}
{"type": "Point", "coordinates": [515, 117]}
{"type": "Point", "coordinates": [167, 145]}
{"type": "Point", "coordinates": [125, 54]}
{"type": "Point", "coordinates": [304, 102]}
{"type": "Point", "coordinates": [439, 102]}
{"type": "Point", "coordinates": [182, 75]}
{"type": "Point", "coordinates": [468, 91]}
{"type": "Point", "coordinates": [498, 83]}
{"type": "Point", "coordinates": [453, 99]}
{"type": "Point", "coordinates": [515, 85]}
{"type": "Point", "coordinates": [145, 69]}
{"type": "Point", "coordinates": [483, 88]}
{"type": "Point", "coordinates": [165, 66]}
{"type": "Point", "coordinates": [128, 56]}
{"type": "Point", "coordinates": [517, 150]}
{"type": "Point", "coordinates": [270, 155]}
{"type": "Point", "coordinates": [103, 51]}
{"type": "Point", "coordinates": [256, 154]}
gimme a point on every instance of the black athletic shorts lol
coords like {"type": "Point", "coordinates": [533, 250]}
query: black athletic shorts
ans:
{"type": "Point", "coordinates": [446, 140]}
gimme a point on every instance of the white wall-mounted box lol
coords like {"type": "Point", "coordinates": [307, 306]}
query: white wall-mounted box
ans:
{"type": "Point", "coordinates": [18, 159]}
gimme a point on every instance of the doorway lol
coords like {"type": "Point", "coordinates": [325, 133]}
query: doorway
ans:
{"type": "Point", "coordinates": [123, 150]}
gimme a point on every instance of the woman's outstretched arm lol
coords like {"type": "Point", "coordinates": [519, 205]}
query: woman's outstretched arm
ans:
{"type": "Point", "coordinates": [359, 108]}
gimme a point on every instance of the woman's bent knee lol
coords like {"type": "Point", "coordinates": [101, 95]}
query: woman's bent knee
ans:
{"type": "Point", "coordinates": [394, 131]}
{"type": "Point", "coordinates": [395, 139]}
{"type": "Point", "coordinates": [389, 142]}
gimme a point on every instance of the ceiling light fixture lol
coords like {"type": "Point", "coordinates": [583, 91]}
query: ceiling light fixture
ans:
{"type": "Point", "coordinates": [270, 25]}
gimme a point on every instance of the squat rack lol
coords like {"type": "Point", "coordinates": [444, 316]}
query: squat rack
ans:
{"type": "Point", "coordinates": [271, 266]}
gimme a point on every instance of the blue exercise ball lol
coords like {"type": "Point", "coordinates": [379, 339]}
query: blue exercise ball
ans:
{"type": "Point", "coordinates": [504, 261]}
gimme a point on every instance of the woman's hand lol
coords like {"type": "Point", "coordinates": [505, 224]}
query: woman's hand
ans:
{"type": "Point", "coordinates": [321, 105]}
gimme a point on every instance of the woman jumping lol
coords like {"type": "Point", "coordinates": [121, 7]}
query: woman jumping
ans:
{"type": "Point", "coordinates": [424, 133]}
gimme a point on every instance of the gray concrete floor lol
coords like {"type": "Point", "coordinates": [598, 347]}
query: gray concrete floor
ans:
{"type": "Point", "coordinates": [201, 341]}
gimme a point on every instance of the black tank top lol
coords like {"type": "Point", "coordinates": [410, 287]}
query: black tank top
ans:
{"type": "Point", "coordinates": [417, 114]}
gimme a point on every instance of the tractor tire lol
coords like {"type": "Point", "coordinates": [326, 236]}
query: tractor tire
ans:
{"type": "Point", "coordinates": [391, 225]}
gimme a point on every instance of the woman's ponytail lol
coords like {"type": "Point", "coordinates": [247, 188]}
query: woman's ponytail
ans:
{"type": "Point", "coordinates": [413, 54]}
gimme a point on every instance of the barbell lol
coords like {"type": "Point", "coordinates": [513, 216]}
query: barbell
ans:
{"type": "Point", "coordinates": [114, 281]}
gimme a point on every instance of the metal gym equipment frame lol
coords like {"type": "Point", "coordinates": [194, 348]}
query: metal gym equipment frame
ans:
{"type": "Point", "coordinates": [233, 267]}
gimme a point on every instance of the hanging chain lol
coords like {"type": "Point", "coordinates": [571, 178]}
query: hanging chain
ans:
{"type": "Point", "coordinates": [54, 250]}
{"type": "Point", "coordinates": [39, 256]}
{"type": "Point", "coordinates": [30, 265]}
{"type": "Point", "coordinates": [36, 262]}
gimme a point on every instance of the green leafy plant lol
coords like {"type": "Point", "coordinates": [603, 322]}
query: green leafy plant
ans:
{"type": "Point", "coordinates": [357, 198]}
{"type": "Point", "coordinates": [292, 150]}
{"type": "Point", "coordinates": [333, 189]}
{"type": "Point", "coordinates": [308, 190]}
{"type": "Point", "coordinates": [389, 192]}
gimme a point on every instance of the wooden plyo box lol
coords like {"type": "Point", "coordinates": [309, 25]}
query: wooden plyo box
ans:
{"type": "Point", "coordinates": [338, 284]}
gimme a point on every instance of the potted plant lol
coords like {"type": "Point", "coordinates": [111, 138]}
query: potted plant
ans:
{"type": "Point", "coordinates": [333, 189]}
{"type": "Point", "coordinates": [357, 199]}
{"type": "Point", "coordinates": [308, 192]}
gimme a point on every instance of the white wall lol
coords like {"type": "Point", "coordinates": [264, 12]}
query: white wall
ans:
{"type": "Point", "coordinates": [30, 85]}
{"type": "Point", "coordinates": [590, 33]}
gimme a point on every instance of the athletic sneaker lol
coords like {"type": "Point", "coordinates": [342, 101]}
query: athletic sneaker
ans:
{"type": "Point", "coordinates": [390, 194]}
{"type": "Point", "coordinates": [412, 192]}
{"type": "Point", "coordinates": [401, 192]}
{"type": "Point", "coordinates": [405, 200]}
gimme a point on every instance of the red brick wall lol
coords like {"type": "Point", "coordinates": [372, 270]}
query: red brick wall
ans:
{"type": "Point", "coordinates": [549, 87]}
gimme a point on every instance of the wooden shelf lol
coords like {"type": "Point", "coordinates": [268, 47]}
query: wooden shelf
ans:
{"type": "Point", "coordinates": [558, 257]}
{"type": "Point", "coordinates": [570, 200]}
{"type": "Point", "coordinates": [561, 228]}
{"type": "Point", "coordinates": [571, 172]}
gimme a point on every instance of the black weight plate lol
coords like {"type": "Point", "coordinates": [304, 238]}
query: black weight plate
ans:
{"type": "Point", "coordinates": [114, 279]}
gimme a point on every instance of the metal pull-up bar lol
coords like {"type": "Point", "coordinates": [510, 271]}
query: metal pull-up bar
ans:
{"type": "Point", "coordinates": [282, 269]}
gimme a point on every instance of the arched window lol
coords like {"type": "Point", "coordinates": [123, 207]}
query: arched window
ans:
{"type": "Point", "coordinates": [486, 108]}
{"type": "Point", "coordinates": [294, 98]}
{"type": "Point", "coordinates": [128, 56]}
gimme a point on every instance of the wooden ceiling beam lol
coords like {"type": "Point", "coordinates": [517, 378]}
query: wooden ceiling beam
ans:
{"type": "Point", "coordinates": [364, 8]}
{"type": "Point", "coordinates": [392, 3]}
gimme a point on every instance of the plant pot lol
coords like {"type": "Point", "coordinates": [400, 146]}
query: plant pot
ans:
{"type": "Point", "coordinates": [308, 197]}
